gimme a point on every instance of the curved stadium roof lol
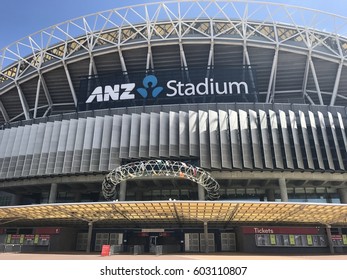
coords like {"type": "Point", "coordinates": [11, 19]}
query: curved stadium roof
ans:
{"type": "Point", "coordinates": [299, 54]}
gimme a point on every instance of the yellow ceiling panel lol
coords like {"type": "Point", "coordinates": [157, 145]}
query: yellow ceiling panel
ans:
{"type": "Point", "coordinates": [160, 212]}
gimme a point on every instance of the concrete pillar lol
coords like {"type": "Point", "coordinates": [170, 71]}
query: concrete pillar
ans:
{"type": "Point", "coordinates": [201, 192]}
{"type": "Point", "coordinates": [206, 236]}
{"type": "Point", "coordinates": [343, 195]}
{"type": "Point", "coordinates": [122, 190]}
{"type": "Point", "coordinates": [53, 193]}
{"type": "Point", "coordinates": [330, 241]}
{"type": "Point", "coordinates": [283, 189]}
{"type": "Point", "coordinates": [89, 241]}
{"type": "Point", "coordinates": [270, 194]}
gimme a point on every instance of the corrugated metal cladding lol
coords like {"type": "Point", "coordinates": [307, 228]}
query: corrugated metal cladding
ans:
{"type": "Point", "coordinates": [219, 136]}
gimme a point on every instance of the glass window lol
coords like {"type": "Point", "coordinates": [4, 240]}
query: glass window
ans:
{"type": "Point", "coordinates": [262, 240]}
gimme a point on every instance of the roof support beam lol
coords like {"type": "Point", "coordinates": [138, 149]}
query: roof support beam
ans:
{"type": "Point", "coordinates": [72, 89]}
{"type": "Point", "coordinates": [38, 88]}
{"type": "Point", "coordinates": [247, 61]}
{"type": "Point", "coordinates": [315, 78]}
{"type": "Point", "coordinates": [92, 66]}
{"type": "Point", "coordinates": [46, 91]}
{"type": "Point", "coordinates": [210, 63]}
{"type": "Point", "coordinates": [23, 101]}
{"type": "Point", "coordinates": [272, 82]}
{"type": "Point", "coordinates": [149, 62]}
{"type": "Point", "coordinates": [337, 83]}
{"type": "Point", "coordinates": [123, 65]}
{"type": "Point", "coordinates": [305, 79]}
{"type": "Point", "coordinates": [184, 64]}
{"type": "Point", "coordinates": [4, 112]}
{"type": "Point", "coordinates": [41, 81]}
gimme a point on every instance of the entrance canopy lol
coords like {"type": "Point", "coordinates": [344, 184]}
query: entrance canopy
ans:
{"type": "Point", "coordinates": [173, 213]}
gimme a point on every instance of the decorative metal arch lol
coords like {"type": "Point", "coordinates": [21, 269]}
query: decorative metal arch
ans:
{"type": "Point", "coordinates": [152, 168]}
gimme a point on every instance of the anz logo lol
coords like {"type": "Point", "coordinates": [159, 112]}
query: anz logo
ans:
{"type": "Point", "coordinates": [124, 91]}
{"type": "Point", "coordinates": [118, 92]}
{"type": "Point", "coordinates": [150, 84]}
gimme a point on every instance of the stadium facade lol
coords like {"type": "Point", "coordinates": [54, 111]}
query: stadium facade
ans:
{"type": "Point", "coordinates": [223, 122]}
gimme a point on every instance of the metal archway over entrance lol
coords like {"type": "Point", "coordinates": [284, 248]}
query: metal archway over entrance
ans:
{"type": "Point", "coordinates": [152, 168]}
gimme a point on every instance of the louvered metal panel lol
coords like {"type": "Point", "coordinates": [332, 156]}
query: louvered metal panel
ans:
{"type": "Point", "coordinates": [115, 142]}
{"type": "Point", "coordinates": [235, 139]}
{"type": "Point", "coordinates": [205, 154]}
{"type": "Point", "coordinates": [125, 136]}
{"type": "Point", "coordinates": [224, 139]}
{"type": "Point", "coordinates": [38, 149]}
{"type": "Point", "coordinates": [343, 131]}
{"type": "Point", "coordinates": [135, 136]}
{"type": "Point", "coordinates": [87, 145]}
{"type": "Point", "coordinates": [96, 146]}
{"type": "Point", "coordinates": [336, 142]}
{"type": "Point", "coordinates": [193, 134]}
{"type": "Point", "coordinates": [183, 134]}
{"type": "Point", "coordinates": [285, 139]}
{"type": "Point", "coordinates": [22, 151]}
{"type": "Point", "coordinates": [296, 140]}
{"type": "Point", "coordinates": [164, 135]}
{"type": "Point", "coordinates": [106, 143]}
{"type": "Point", "coordinates": [214, 140]}
{"type": "Point", "coordinates": [45, 148]}
{"type": "Point", "coordinates": [144, 135]}
{"type": "Point", "coordinates": [326, 141]}
{"type": "Point", "coordinates": [276, 140]}
{"type": "Point", "coordinates": [15, 152]}
{"type": "Point", "coordinates": [3, 146]}
{"type": "Point", "coordinates": [64, 131]}
{"type": "Point", "coordinates": [266, 144]}
{"type": "Point", "coordinates": [306, 138]}
{"type": "Point", "coordinates": [8, 152]}
{"type": "Point", "coordinates": [256, 144]}
{"type": "Point", "coordinates": [245, 140]}
{"type": "Point", "coordinates": [53, 148]}
{"type": "Point", "coordinates": [2, 132]}
{"type": "Point", "coordinates": [70, 146]}
{"type": "Point", "coordinates": [29, 154]}
{"type": "Point", "coordinates": [154, 135]}
{"type": "Point", "coordinates": [1, 135]}
{"type": "Point", "coordinates": [174, 134]}
{"type": "Point", "coordinates": [316, 140]}
{"type": "Point", "coordinates": [77, 155]}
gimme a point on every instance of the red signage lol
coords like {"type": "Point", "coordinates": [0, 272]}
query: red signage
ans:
{"type": "Point", "coordinates": [279, 230]}
{"type": "Point", "coordinates": [29, 236]}
{"type": "Point", "coordinates": [336, 237]}
{"type": "Point", "coordinates": [105, 250]}
{"type": "Point", "coordinates": [48, 230]}
{"type": "Point", "coordinates": [45, 237]}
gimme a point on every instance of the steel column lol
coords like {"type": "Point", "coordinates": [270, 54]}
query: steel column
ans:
{"type": "Point", "coordinates": [72, 89]}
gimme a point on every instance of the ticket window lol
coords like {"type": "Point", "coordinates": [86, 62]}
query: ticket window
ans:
{"type": "Point", "coordinates": [44, 240]}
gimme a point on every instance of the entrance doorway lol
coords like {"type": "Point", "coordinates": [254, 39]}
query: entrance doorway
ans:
{"type": "Point", "coordinates": [153, 242]}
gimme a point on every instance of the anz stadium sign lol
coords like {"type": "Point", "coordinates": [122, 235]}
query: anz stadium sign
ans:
{"type": "Point", "coordinates": [168, 87]}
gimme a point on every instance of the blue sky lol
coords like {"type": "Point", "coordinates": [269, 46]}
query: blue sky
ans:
{"type": "Point", "coordinates": [20, 18]}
